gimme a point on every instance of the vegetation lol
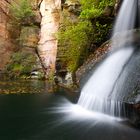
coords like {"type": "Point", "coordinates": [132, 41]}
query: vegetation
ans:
{"type": "Point", "coordinates": [75, 39]}
{"type": "Point", "coordinates": [24, 34]}
{"type": "Point", "coordinates": [21, 64]}
{"type": "Point", "coordinates": [21, 10]}
{"type": "Point", "coordinates": [101, 32]}
{"type": "Point", "coordinates": [94, 8]}
{"type": "Point", "coordinates": [22, 14]}
{"type": "Point", "coordinates": [78, 37]}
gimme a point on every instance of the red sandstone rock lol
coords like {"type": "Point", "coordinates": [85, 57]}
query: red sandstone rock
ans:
{"type": "Point", "coordinates": [5, 41]}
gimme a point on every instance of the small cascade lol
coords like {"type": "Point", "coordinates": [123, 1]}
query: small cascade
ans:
{"type": "Point", "coordinates": [126, 17]}
{"type": "Point", "coordinates": [98, 93]}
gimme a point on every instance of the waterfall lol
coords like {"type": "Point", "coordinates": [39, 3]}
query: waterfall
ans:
{"type": "Point", "coordinates": [100, 92]}
{"type": "Point", "coordinates": [126, 20]}
{"type": "Point", "coordinates": [126, 17]}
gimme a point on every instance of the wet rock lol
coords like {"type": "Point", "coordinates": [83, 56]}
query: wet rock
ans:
{"type": "Point", "coordinates": [64, 78]}
{"type": "Point", "coordinates": [128, 83]}
{"type": "Point", "coordinates": [108, 11]}
{"type": "Point", "coordinates": [133, 105]}
{"type": "Point", "coordinates": [133, 114]}
{"type": "Point", "coordinates": [68, 79]}
{"type": "Point", "coordinates": [37, 74]}
{"type": "Point", "coordinates": [91, 62]}
{"type": "Point", "coordinates": [117, 6]}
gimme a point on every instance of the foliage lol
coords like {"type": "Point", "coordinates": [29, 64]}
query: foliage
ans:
{"type": "Point", "coordinates": [21, 64]}
{"type": "Point", "coordinates": [75, 37]}
{"type": "Point", "coordinates": [51, 77]}
{"type": "Point", "coordinates": [101, 31]}
{"type": "Point", "coordinates": [21, 9]}
{"type": "Point", "coordinates": [94, 8]}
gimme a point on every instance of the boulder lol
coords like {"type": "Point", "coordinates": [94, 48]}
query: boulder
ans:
{"type": "Point", "coordinates": [128, 83]}
{"type": "Point", "coordinates": [91, 62]}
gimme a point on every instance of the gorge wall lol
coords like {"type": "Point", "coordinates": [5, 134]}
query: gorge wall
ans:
{"type": "Point", "coordinates": [36, 36]}
{"type": "Point", "coordinates": [6, 46]}
{"type": "Point", "coordinates": [19, 38]}
{"type": "Point", "coordinates": [47, 49]}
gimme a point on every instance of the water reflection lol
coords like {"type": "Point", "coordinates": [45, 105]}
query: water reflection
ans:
{"type": "Point", "coordinates": [53, 117]}
{"type": "Point", "coordinates": [25, 86]}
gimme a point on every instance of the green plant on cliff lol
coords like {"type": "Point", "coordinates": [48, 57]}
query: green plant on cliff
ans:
{"type": "Point", "coordinates": [22, 63]}
{"type": "Point", "coordinates": [21, 9]}
{"type": "Point", "coordinates": [75, 37]}
{"type": "Point", "coordinates": [101, 31]}
{"type": "Point", "coordinates": [94, 8]}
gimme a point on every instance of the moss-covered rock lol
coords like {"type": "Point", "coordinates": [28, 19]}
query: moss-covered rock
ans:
{"type": "Point", "coordinates": [29, 36]}
{"type": "Point", "coordinates": [21, 24]}
{"type": "Point", "coordinates": [23, 63]}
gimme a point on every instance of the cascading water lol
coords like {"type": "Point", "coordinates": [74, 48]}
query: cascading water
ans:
{"type": "Point", "coordinates": [126, 18]}
{"type": "Point", "coordinates": [96, 93]}
{"type": "Point", "coordinates": [99, 93]}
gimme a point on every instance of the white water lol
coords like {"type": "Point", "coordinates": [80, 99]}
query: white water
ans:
{"type": "Point", "coordinates": [97, 93]}
{"type": "Point", "coordinates": [126, 17]}
{"type": "Point", "coordinates": [125, 21]}
{"type": "Point", "coordinates": [98, 89]}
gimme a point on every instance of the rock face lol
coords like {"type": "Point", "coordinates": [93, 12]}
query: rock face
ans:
{"type": "Point", "coordinates": [128, 84]}
{"type": "Point", "coordinates": [91, 62]}
{"type": "Point", "coordinates": [29, 36]}
{"type": "Point", "coordinates": [117, 6]}
{"type": "Point", "coordinates": [47, 48]}
{"type": "Point", "coordinates": [6, 48]}
{"type": "Point", "coordinates": [18, 42]}
{"type": "Point", "coordinates": [70, 11]}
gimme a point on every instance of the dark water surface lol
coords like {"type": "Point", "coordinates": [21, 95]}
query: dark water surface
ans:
{"type": "Point", "coordinates": [53, 116]}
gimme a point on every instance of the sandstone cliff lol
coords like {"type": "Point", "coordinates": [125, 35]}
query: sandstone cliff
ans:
{"type": "Point", "coordinates": [19, 39]}
{"type": "Point", "coordinates": [36, 32]}
{"type": "Point", "coordinates": [47, 49]}
{"type": "Point", "coordinates": [6, 46]}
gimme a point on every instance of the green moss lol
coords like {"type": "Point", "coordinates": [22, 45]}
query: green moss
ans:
{"type": "Point", "coordinates": [94, 8]}
{"type": "Point", "coordinates": [21, 64]}
{"type": "Point", "coordinates": [21, 10]}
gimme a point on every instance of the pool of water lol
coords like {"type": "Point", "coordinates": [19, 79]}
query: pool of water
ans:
{"type": "Point", "coordinates": [55, 116]}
